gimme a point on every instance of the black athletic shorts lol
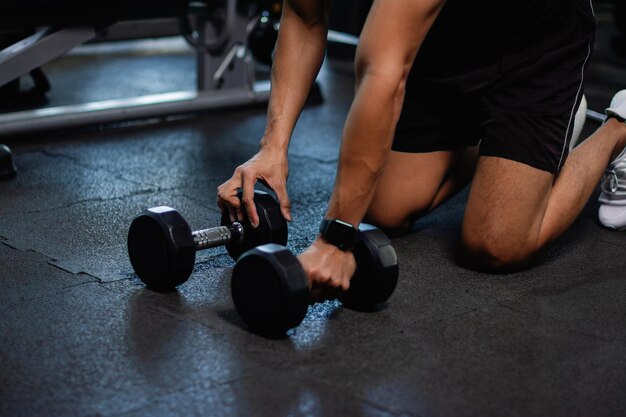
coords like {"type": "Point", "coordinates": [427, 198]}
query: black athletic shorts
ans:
{"type": "Point", "coordinates": [508, 75]}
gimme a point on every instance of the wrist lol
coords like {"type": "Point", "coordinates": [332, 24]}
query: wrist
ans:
{"type": "Point", "coordinates": [338, 233]}
{"type": "Point", "coordinates": [273, 146]}
{"type": "Point", "coordinates": [323, 244]}
{"type": "Point", "coordinates": [276, 135]}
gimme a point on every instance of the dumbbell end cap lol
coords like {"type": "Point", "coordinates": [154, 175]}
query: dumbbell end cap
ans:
{"type": "Point", "coordinates": [377, 271]}
{"type": "Point", "coordinates": [270, 290]}
{"type": "Point", "coordinates": [161, 248]}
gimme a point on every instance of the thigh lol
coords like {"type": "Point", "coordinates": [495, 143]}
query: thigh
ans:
{"type": "Point", "coordinates": [414, 183]}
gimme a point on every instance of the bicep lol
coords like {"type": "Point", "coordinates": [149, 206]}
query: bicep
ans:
{"type": "Point", "coordinates": [392, 35]}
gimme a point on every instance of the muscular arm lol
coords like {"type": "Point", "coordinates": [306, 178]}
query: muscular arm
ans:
{"type": "Point", "coordinates": [392, 35]}
{"type": "Point", "coordinates": [298, 57]}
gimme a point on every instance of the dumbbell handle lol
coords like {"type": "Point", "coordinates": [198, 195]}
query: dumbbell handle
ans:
{"type": "Point", "coordinates": [218, 236]}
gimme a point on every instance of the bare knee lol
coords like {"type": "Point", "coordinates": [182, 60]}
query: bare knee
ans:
{"type": "Point", "coordinates": [495, 253]}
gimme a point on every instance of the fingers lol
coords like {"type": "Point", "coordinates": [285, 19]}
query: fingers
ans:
{"type": "Point", "coordinates": [328, 270]}
{"type": "Point", "coordinates": [224, 207]}
{"type": "Point", "coordinates": [231, 204]}
{"type": "Point", "coordinates": [249, 179]}
{"type": "Point", "coordinates": [325, 287]}
{"type": "Point", "coordinates": [245, 177]}
{"type": "Point", "coordinates": [283, 200]}
{"type": "Point", "coordinates": [227, 199]}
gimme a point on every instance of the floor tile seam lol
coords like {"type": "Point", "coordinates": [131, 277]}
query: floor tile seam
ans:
{"type": "Point", "coordinates": [90, 200]}
{"type": "Point", "coordinates": [91, 167]}
{"type": "Point", "coordinates": [116, 281]}
{"type": "Point", "coordinates": [80, 284]}
{"type": "Point", "coordinates": [52, 262]}
{"type": "Point", "coordinates": [61, 290]}
{"type": "Point", "coordinates": [47, 258]}
{"type": "Point", "coordinates": [99, 168]}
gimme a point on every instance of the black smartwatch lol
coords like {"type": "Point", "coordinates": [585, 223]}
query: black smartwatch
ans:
{"type": "Point", "coordinates": [338, 233]}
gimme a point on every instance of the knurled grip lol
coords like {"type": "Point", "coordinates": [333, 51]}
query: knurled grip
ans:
{"type": "Point", "coordinates": [217, 236]}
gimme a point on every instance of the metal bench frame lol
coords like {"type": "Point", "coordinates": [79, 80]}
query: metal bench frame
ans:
{"type": "Point", "coordinates": [224, 79]}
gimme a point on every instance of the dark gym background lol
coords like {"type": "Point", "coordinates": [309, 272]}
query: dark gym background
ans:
{"type": "Point", "coordinates": [81, 335]}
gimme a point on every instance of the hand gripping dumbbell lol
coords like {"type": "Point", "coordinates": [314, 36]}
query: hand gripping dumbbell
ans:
{"type": "Point", "coordinates": [162, 247]}
{"type": "Point", "coordinates": [271, 291]}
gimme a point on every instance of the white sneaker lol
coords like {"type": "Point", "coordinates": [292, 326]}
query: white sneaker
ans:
{"type": "Point", "coordinates": [612, 213]}
{"type": "Point", "coordinates": [579, 123]}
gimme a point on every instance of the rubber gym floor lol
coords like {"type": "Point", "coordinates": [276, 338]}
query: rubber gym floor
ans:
{"type": "Point", "coordinates": [81, 336]}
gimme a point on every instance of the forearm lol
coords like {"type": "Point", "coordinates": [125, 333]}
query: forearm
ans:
{"type": "Point", "coordinates": [298, 57]}
{"type": "Point", "coordinates": [366, 144]}
{"type": "Point", "coordinates": [382, 67]}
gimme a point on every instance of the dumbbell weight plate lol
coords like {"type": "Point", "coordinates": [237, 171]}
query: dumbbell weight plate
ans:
{"type": "Point", "coordinates": [377, 270]}
{"type": "Point", "coordinates": [262, 38]}
{"type": "Point", "coordinates": [272, 225]}
{"type": "Point", "coordinates": [270, 290]}
{"type": "Point", "coordinates": [161, 263]}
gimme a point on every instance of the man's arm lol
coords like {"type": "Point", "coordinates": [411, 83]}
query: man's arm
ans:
{"type": "Point", "coordinates": [393, 33]}
{"type": "Point", "coordinates": [298, 57]}
{"type": "Point", "coordinates": [392, 36]}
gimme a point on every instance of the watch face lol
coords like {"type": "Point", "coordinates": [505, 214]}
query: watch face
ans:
{"type": "Point", "coordinates": [338, 233]}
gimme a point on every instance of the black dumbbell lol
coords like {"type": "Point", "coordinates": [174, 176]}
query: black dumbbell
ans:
{"type": "Point", "coordinates": [271, 291]}
{"type": "Point", "coordinates": [262, 37]}
{"type": "Point", "coordinates": [162, 247]}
